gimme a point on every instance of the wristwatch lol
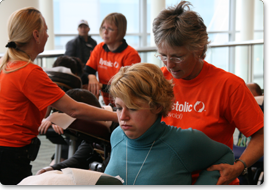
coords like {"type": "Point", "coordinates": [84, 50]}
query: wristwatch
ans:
{"type": "Point", "coordinates": [245, 171]}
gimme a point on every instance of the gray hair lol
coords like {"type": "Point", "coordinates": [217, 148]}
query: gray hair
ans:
{"type": "Point", "coordinates": [179, 26]}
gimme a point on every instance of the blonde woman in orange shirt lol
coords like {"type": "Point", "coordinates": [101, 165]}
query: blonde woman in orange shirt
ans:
{"type": "Point", "coordinates": [110, 55]}
{"type": "Point", "coordinates": [26, 92]}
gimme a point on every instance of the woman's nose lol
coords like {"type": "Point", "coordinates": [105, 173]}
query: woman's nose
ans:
{"type": "Point", "coordinates": [170, 64]}
{"type": "Point", "coordinates": [124, 114]}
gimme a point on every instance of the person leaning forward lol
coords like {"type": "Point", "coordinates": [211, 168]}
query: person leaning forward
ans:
{"type": "Point", "coordinates": [216, 102]}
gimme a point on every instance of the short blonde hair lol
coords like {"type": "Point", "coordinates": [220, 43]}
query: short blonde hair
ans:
{"type": "Point", "coordinates": [179, 26]}
{"type": "Point", "coordinates": [119, 20]}
{"type": "Point", "coordinates": [143, 81]}
{"type": "Point", "coordinates": [21, 25]}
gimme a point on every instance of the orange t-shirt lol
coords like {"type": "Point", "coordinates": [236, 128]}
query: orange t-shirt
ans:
{"type": "Point", "coordinates": [25, 95]}
{"type": "Point", "coordinates": [108, 63]}
{"type": "Point", "coordinates": [215, 102]}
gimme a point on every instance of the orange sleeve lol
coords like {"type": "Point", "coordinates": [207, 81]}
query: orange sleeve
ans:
{"type": "Point", "coordinates": [132, 57]}
{"type": "Point", "coordinates": [243, 111]}
{"type": "Point", "coordinates": [41, 91]}
{"type": "Point", "coordinates": [95, 56]}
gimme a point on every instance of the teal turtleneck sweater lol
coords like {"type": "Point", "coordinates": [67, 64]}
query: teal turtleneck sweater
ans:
{"type": "Point", "coordinates": [174, 155]}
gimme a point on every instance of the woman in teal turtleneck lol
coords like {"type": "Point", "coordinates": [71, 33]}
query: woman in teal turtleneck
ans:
{"type": "Point", "coordinates": [148, 152]}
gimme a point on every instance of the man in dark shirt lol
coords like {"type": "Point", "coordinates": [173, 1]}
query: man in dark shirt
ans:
{"type": "Point", "coordinates": [81, 46]}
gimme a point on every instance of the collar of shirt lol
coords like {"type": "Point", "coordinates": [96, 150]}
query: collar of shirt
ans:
{"type": "Point", "coordinates": [82, 38]}
{"type": "Point", "coordinates": [152, 134]}
{"type": "Point", "coordinates": [121, 48]}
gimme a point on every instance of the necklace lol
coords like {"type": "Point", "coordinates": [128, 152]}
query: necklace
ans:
{"type": "Point", "coordinates": [141, 165]}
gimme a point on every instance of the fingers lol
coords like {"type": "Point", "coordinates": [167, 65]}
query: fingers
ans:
{"type": "Point", "coordinates": [43, 170]}
{"type": "Point", "coordinates": [44, 126]}
{"type": "Point", "coordinates": [58, 129]}
{"type": "Point", "coordinates": [94, 88]}
{"type": "Point", "coordinates": [93, 85]}
{"type": "Point", "coordinates": [227, 173]}
{"type": "Point", "coordinates": [214, 167]}
{"type": "Point", "coordinates": [40, 171]}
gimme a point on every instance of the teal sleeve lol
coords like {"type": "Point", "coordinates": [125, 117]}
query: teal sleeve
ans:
{"type": "Point", "coordinates": [205, 153]}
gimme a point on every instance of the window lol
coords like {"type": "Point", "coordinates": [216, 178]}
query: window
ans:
{"type": "Point", "coordinates": [67, 14]}
{"type": "Point", "coordinates": [222, 18]}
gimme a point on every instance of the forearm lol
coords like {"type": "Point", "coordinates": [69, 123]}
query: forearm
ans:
{"type": "Point", "coordinates": [80, 159]}
{"type": "Point", "coordinates": [83, 111]}
{"type": "Point", "coordinates": [253, 152]}
{"type": "Point", "coordinates": [86, 112]}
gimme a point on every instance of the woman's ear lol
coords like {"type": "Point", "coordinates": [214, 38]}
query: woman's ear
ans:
{"type": "Point", "coordinates": [157, 109]}
{"type": "Point", "coordinates": [36, 36]}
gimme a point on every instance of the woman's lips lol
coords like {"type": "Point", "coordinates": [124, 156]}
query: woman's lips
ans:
{"type": "Point", "coordinates": [175, 72]}
{"type": "Point", "coordinates": [126, 127]}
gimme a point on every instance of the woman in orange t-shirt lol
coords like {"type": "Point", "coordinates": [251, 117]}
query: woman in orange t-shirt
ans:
{"type": "Point", "coordinates": [26, 92]}
{"type": "Point", "coordinates": [207, 98]}
{"type": "Point", "coordinates": [110, 55]}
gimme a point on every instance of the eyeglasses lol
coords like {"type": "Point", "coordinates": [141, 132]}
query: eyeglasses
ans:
{"type": "Point", "coordinates": [109, 29]}
{"type": "Point", "coordinates": [172, 59]}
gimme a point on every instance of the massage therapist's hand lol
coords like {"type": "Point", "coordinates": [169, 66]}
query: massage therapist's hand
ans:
{"type": "Point", "coordinates": [227, 173]}
{"type": "Point", "coordinates": [43, 170]}
{"type": "Point", "coordinates": [94, 85]}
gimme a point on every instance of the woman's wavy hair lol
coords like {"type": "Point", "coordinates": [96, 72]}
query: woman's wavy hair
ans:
{"type": "Point", "coordinates": [21, 25]}
{"type": "Point", "coordinates": [143, 82]}
{"type": "Point", "coordinates": [179, 26]}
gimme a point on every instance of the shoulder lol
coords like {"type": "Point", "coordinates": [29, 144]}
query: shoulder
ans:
{"type": "Point", "coordinates": [35, 67]}
{"type": "Point", "coordinates": [117, 136]}
{"type": "Point", "coordinates": [74, 40]}
{"type": "Point", "coordinates": [223, 79]}
{"type": "Point", "coordinates": [29, 67]}
{"type": "Point", "coordinates": [131, 50]}
{"type": "Point", "coordinates": [131, 54]}
{"type": "Point", "coordinates": [99, 47]}
{"type": "Point", "coordinates": [92, 40]}
{"type": "Point", "coordinates": [177, 136]}
{"type": "Point", "coordinates": [98, 51]}
{"type": "Point", "coordinates": [222, 74]}
{"type": "Point", "coordinates": [176, 132]}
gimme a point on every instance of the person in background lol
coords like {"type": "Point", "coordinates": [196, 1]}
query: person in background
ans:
{"type": "Point", "coordinates": [75, 69]}
{"type": "Point", "coordinates": [82, 74]}
{"type": "Point", "coordinates": [255, 89]}
{"type": "Point", "coordinates": [81, 46]}
{"type": "Point", "coordinates": [146, 151]}
{"type": "Point", "coordinates": [25, 93]}
{"type": "Point", "coordinates": [110, 55]}
{"type": "Point", "coordinates": [85, 154]}
{"type": "Point", "coordinates": [257, 92]}
{"type": "Point", "coordinates": [207, 98]}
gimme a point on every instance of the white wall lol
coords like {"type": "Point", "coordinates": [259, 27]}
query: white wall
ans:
{"type": "Point", "coordinates": [7, 7]}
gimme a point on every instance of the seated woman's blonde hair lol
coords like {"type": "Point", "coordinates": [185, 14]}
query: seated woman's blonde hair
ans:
{"type": "Point", "coordinates": [143, 81]}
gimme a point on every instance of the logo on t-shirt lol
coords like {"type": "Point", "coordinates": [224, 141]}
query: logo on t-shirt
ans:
{"type": "Point", "coordinates": [186, 107]}
{"type": "Point", "coordinates": [199, 106]}
{"type": "Point", "coordinates": [108, 63]}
